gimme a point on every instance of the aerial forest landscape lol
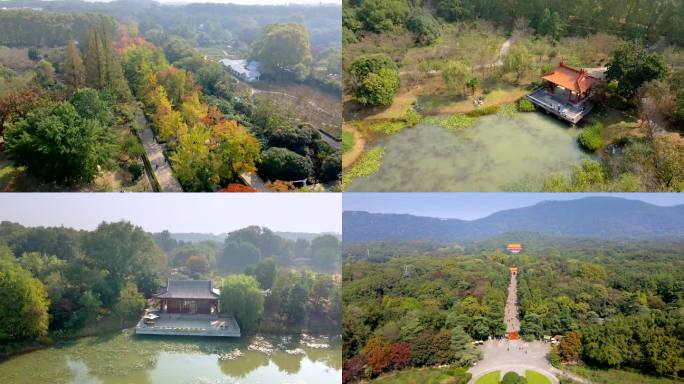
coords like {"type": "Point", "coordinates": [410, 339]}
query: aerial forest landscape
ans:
{"type": "Point", "coordinates": [139, 96]}
{"type": "Point", "coordinates": [513, 288]}
{"type": "Point", "coordinates": [476, 95]}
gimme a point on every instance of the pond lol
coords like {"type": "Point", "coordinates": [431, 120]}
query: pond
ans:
{"type": "Point", "coordinates": [497, 152]}
{"type": "Point", "coordinates": [125, 358]}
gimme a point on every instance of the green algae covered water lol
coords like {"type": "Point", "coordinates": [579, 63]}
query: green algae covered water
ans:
{"type": "Point", "coordinates": [125, 358]}
{"type": "Point", "coordinates": [494, 154]}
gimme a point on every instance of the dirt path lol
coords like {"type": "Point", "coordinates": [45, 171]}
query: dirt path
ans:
{"type": "Point", "coordinates": [511, 309]}
{"type": "Point", "coordinates": [155, 153]}
{"type": "Point", "coordinates": [353, 154]}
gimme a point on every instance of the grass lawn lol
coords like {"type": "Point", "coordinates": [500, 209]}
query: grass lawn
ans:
{"type": "Point", "coordinates": [609, 376]}
{"type": "Point", "coordinates": [536, 378]}
{"type": "Point", "coordinates": [347, 141]}
{"type": "Point", "coordinates": [425, 376]}
{"type": "Point", "coordinates": [490, 378]}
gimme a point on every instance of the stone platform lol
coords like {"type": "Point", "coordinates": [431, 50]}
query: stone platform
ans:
{"type": "Point", "coordinates": [190, 325]}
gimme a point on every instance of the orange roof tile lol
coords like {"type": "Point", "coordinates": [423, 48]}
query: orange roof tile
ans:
{"type": "Point", "coordinates": [576, 80]}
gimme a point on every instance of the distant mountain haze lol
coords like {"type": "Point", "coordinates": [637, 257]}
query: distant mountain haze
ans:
{"type": "Point", "coordinates": [591, 217]}
{"type": "Point", "coordinates": [221, 237]}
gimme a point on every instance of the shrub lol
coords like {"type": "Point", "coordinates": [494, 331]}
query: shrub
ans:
{"type": "Point", "coordinates": [412, 117]}
{"type": "Point", "coordinates": [591, 137]}
{"type": "Point", "coordinates": [525, 105]}
{"type": "Point", "coordinates": [386, 126]}
{"type": "Point", "coordinates": [375, 79]}
{"type": "Point", "coordinates": [235, 187]}
{"type": "Point", "coordinates": [136, 170]}
{"type": "Point", "coordinates": [283, 164]}
{"type": "Point", "coordinates": [488, 110]}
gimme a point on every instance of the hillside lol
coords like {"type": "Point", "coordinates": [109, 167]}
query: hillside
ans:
{"type": "Point", "coordinates": [606, 218]}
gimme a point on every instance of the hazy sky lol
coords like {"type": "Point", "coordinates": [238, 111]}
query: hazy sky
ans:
{"type": "Point", "coordinates": [248, 2]}
{"type": "Point", "coordinates": [186, 212]}
{"type": "Point", "coordinates": [469, 206]}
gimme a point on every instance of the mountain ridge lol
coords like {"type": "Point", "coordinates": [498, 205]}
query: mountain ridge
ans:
{"type": "Point", "coordinates": [590, 217]}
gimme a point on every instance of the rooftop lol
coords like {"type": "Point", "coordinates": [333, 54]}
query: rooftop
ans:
{"type": "Point", "coordinates": [248, 69]}
{"type": "Point", "coordinates": [188, 289]}
{"type": "Point", "coordinates": [575, 80]}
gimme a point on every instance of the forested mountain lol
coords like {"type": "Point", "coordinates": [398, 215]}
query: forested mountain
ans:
{"type": "Point", "coordinates": [593, 217]}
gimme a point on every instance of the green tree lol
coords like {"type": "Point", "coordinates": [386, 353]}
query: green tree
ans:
{"type": "Point", "coordinates": [283, 164]}
{"type": "Point", "coordinates": [90, 105]}
{"type": "Point", "coordinates": [456, 75]}
{"type": "Point", "coordinates": [375, 80]}
{"type": "Point", "coordinates": [295, 302]}
{"type": "Point", "coordinates": [382, 15]}
{"type": "Point", "coordinates": [130, 304]}
{"type": "Point", "coordinates": [424, 26]}
{"type": "Point", "coordinates": [264, 271]}
{"type": "Point", "coordinates": [513, 378]}
{"type": "Point", "coordinates": [119, 248]}
{"type": "Point", "coordinates": [45, 73]}
{"type": "Point", "coordinates": [95, 60]}
{"type": "Point", "coordinates": [237, 255]}
{"type": "Point", "coordinates": [242, 299]}
{"type": "Point", "coordinates": [517, 61]}
{"type": "Point", "coordinates": [57, 145]}
{"type": "Point", "coordinates": [284, 50]}
{"type": "Point", "coordinates": [23, 303]}
{"type": "Point", "coordinates": [633, 65]}
{"type": "Point", "coordinates": [74, 71]}
{"type": "Point", "coordinates": [550, 24]}
{"type": "Point", "coordinates": [454, 10]}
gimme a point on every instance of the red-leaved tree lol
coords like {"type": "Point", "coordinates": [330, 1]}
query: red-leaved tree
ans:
{"type": "Point", "coordinates": [399, 355]}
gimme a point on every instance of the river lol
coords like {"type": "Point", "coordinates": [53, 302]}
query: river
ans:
{"type": "Point", "coordinates": [124, 358]}
{"type": "Point", "coordinates": [497, 153]}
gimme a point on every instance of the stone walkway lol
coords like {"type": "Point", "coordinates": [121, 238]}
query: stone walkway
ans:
{"type": "Point", "coordinates": [511, 309]}
{"type": "Point", "coordinates": [155, 152]}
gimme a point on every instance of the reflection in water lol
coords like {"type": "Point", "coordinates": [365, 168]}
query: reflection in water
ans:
{"type": "Point", "coordinates": [240, 367]}
{"type": "Point", "coordinates": [495, 153]}
{"type": "Point", "coordinates": [128, 359]}
{"type": "Point", "coordinates": [289, 362]}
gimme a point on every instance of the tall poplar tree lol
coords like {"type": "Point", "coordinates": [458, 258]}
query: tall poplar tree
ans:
{"type": "Point", "coordinates": [73, 66]}
{"type": "Point", "coordinates": [95, 61]}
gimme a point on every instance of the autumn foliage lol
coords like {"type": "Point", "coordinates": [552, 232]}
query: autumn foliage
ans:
{"type": "Point", "coordinates": [197, 263]}
{"type": "Point", "coordinates": [399, 355]}
{"type": "Point", "coordinates": [377, 354]}
{"type": "Point", "coordinates": [235, 187]}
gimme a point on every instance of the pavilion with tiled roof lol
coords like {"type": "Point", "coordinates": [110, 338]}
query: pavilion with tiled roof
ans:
{"type": "Point", "coordinates": [577, 82]}
{"type": "Point", "coordinates": [189, 296]}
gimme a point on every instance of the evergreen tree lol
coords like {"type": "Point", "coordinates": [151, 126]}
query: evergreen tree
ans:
{"type": "Point", "coordinates": [95, 62]}
{"type": "Point", "coordinates": [73, 66]}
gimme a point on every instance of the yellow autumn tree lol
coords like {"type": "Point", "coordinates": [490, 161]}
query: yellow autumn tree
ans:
{"type": "Point", "coordinates": [192, 161]}
{"type": "Point", "coordinates": [237, 150]}
{"type": "Point", "coordinates": [169, 123]}
{"type": "Point", "coordinates": [192, 109]}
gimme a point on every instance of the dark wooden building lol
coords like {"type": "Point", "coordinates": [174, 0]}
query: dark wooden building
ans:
{"type": "Point", "coordinates": [189, 297]}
